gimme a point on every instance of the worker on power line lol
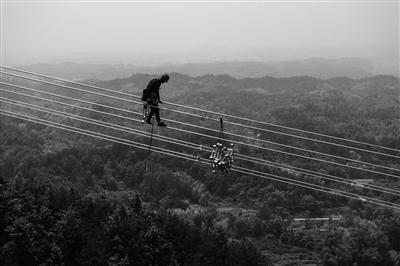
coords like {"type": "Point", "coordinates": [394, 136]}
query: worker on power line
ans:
{"type": "Point", "coordinates": [152, 97]}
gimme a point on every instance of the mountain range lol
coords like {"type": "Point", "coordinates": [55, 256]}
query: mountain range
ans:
{"type": "Point", "coordinates": [315, 67]}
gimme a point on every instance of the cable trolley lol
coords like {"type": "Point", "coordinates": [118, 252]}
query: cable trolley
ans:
{"type": "Point", "coordinates": [221, 157]}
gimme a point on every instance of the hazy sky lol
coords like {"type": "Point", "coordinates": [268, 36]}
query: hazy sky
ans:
{"type": "Point", "coordinates": [42, 31]}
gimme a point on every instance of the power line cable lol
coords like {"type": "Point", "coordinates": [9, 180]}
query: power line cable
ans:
{"type": "Point", "coordinates": [251, 145]}
{"type": "Point", "coordinates": [94, 122]}
{"type": "Point", "coordinates": [246, 171]}
{"type": "Point", "coordinates": [227, 133]}
{"type": "Point", "coordinates": [273, 143]}
{"type": "Point", "coordinates": [225, 115]}
{"type": "Point", "coordinates": [188, 157]}
{"type": "Point", "coordinates": [170, 140]}
{"type": "Point", "coordinates": [213, 112]}
{"type": "Point", "coordinates": [126, 129]}
{"type": "Point", "coordinates": [316, 174]}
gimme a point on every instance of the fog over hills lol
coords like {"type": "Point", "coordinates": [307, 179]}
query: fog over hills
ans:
{"type": "Point", "coordinates": [315, 67]}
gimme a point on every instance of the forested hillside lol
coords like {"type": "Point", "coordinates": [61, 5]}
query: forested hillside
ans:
{"type": "Point", "coordinates": [72, 199]}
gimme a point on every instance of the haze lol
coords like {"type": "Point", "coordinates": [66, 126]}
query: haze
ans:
{"type": "Point", "coordinates": [172, 32]}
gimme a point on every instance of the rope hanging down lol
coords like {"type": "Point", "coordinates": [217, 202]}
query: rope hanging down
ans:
{"type": "Point", "coordinates": [151, 140]}
{"type": "Point", "coordinates": [221, 129]}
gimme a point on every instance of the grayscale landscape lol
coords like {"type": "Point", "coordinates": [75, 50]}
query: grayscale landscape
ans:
{"type": "Point", "coordinates": [281, 144]}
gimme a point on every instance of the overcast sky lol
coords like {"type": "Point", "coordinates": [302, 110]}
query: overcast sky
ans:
{"type": "Point", "coordinates": [39, 31]}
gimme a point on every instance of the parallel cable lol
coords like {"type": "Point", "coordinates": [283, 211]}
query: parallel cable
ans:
{"type": "Point", "coordinates": [232, 116]}
{"type": "Point", "coordinates": [177, 141]}
{"type": "Point", "coordinates": [227, 133]}
{"type": "Point", "coordinates": [286, 146]}
{"type": "Point", "coordinates": [316, 174]}
{"type": "Point", "coordinates": [91, 92]}
{"type": "Point", "coordinates": [251, 145]}
{"type": "Point", "coordinates": [126, 129]}
{"type": "Point", "coordinates": [213, 130]}
{"type": "Point", "coordinates": [151, 140]}
{"type": "Point", "coordinates": [89, 133]}
{"type": "Point", "coordinates": [95, 122]}
{"type": "Point", "coordinates": [260, 174]}
{"type": "Point", "coordinates": [188, 157]}
{"type": "Point", "coordinates": [236, 142]}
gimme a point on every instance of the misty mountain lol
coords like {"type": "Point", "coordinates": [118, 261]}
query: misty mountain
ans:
{"type": "Point", "coordinates": [380, 84]}
{"type": "Point", "coordinates": [315, 67]}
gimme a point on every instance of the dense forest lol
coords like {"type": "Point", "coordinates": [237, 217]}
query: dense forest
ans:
{"type": "Point", "coordinates": [75, 200]}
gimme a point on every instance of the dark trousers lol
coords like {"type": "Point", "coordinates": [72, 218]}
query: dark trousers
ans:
{"type": "Point", "coordinates": [154, 110]}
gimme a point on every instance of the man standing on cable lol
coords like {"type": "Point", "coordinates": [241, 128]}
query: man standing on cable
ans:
{"type": "Point", "coordinates": [153, 98]}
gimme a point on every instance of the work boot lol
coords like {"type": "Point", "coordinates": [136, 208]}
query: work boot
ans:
{"type": "Point", "coordinates": [148, 121]}
{"type": "Point", "coordinates": [161, 124]}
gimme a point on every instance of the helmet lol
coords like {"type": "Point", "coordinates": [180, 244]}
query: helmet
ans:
{"type": "Point", "coordinates": [164, 78]}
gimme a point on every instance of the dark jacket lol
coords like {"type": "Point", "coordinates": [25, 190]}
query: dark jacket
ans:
{"type": "Point", "coordinates": [154, 91]}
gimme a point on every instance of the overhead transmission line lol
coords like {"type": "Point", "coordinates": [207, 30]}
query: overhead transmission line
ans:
{"type": "Point", "coordinates": [191, 158]}
{"type": "Point", "coordinates": [247, 144]}
{"type": "Point", "coordinates": [174, 140]}
{"type": "Point", "coordinates": [205, 128]}
{"type": "Point", "coordinates": [225, 115]}
{"type": "Point", "coordinates": [200, 127]}
{"type": "Point", "coordinates": [98, 122]}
